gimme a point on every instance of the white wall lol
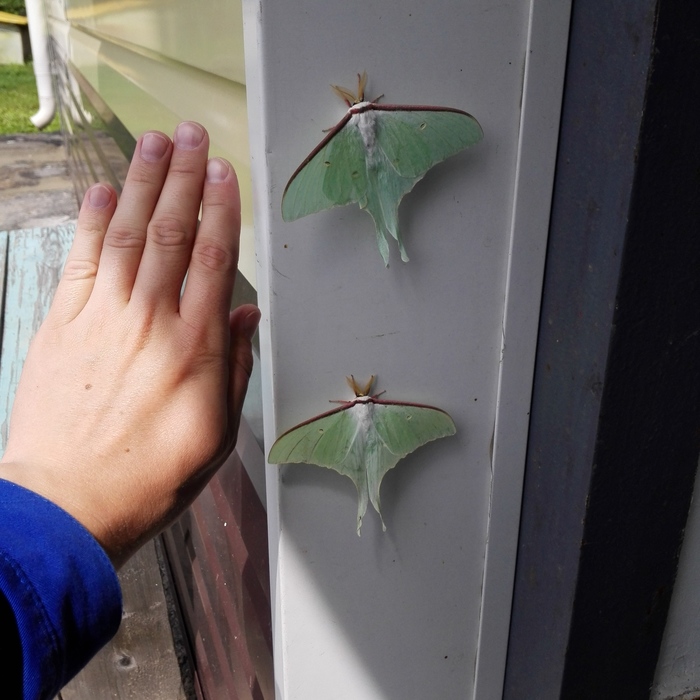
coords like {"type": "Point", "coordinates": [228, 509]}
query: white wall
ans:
{"type": "Point", "coordinates": [421, 611]}
{"type": "Point", "coordinates": [155, 64]}
{"type": "Point", "coordinates": [10, 44]}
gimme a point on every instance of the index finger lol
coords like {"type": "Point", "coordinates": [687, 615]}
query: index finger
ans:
{"type": "Point", "coordinates": [212, 270]}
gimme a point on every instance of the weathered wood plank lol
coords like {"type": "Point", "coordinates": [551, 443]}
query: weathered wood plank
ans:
{"type": "Point", "coordinates": [218, 555]}
{"type": "Point", "coordinates": [140, 662]}
{"type": "Point", "coordinates": [34, 261]}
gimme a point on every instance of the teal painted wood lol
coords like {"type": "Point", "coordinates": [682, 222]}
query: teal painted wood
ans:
{"type": "Point", "coordinates": [3, 267]}
{"type": "Point", "coordinates": [3, 263]}
{"type": "Point", "coordinates": [32, 261]}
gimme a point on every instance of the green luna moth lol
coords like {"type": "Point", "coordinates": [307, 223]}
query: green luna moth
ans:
{"type": "Point", "coordinates": [362, 439]}
{"type": "Point", "coordinates": [374, 156]}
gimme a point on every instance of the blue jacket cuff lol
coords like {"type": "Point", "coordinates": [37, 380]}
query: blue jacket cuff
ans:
{"type": "Point", "coordinates": [61, 586]}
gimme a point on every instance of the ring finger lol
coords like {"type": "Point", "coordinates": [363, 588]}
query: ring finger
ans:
{"type": "Point", "coordinates": [126, 235]}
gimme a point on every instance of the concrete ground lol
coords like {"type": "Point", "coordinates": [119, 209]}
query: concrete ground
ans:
{"type": "Point", "coordinates": [35, 186]}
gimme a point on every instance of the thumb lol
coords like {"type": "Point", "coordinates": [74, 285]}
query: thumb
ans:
{"type": "Point", "coordinates": [243, 322]}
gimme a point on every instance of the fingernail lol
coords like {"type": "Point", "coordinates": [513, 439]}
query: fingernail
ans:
{"type": "Point", "coordinates": [250, 323]}
{"type": "Point", "coordinates": [153, 146]}
{"type": "Point", "coordinates": [99, 196]}
{"type": "Point", "coordinates": [217, 170]}
{"type": "Point", "coordinates": [188, 135]}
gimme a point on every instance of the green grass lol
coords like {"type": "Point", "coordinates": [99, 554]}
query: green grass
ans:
{"type": "Point", "coordinates": [19, 101]}
{"type": "Point", "coordinates": [14, 7]}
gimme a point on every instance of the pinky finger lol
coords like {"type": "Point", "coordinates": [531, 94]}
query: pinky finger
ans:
{"type": "Point", "coordinates": [80, 270]}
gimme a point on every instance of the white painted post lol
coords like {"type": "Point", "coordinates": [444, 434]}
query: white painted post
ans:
{"type": "Point", "coordinates": [422, 610]}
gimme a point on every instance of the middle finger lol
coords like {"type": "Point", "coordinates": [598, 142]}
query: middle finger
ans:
{"type": "Point", "coordinates": [172, 228]}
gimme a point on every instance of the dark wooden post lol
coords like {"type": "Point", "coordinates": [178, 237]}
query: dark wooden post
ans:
{"type": "Point", "coordinates": [615, 426]}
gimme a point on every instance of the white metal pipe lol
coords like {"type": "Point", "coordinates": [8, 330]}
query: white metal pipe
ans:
{"type": "Point", "coordinates": [39, 40]}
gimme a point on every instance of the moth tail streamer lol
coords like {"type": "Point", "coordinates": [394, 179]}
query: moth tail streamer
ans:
{"type": "Point", "coordinates": [361, 507]}
{"type": "Point", "coordinates": [404, 254]}
{"type": "Point", "coordinates": [383, 244]}
{"type": "Point", "coordinates": [381, 236]}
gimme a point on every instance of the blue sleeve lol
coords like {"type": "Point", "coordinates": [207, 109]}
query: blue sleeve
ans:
{"type": "Point", "coordinates": [61, 587]}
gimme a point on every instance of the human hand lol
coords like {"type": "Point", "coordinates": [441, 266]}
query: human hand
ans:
{"type": "Point", "coordinates": [131, 395]}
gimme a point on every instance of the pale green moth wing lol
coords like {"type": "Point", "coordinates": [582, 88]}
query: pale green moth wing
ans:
{"type": "Point", "coordinates": [414, 139]}
{"type": "Point", "coordinates": [384, 194]}
{"type": "Point", "coordinates": [331, 440]}
{"type": "Point", "coordinates": [403, 428]}
{"type": "Point", "coordinates": [362, 440]}
{"type": "Point", "coordinates": [334, 174]}
{"type": "Point", "coordinates": [324, 440]}
{"type": "Point", "coordinates": [345, 177]}
{"type": "Point", "coordinates": [409, 141]}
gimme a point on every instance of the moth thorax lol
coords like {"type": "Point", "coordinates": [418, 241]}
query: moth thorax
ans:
{"type": "Point", "coordinates": [365, 408]}
{"type": "Point", "coordinates": [366, 123]}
